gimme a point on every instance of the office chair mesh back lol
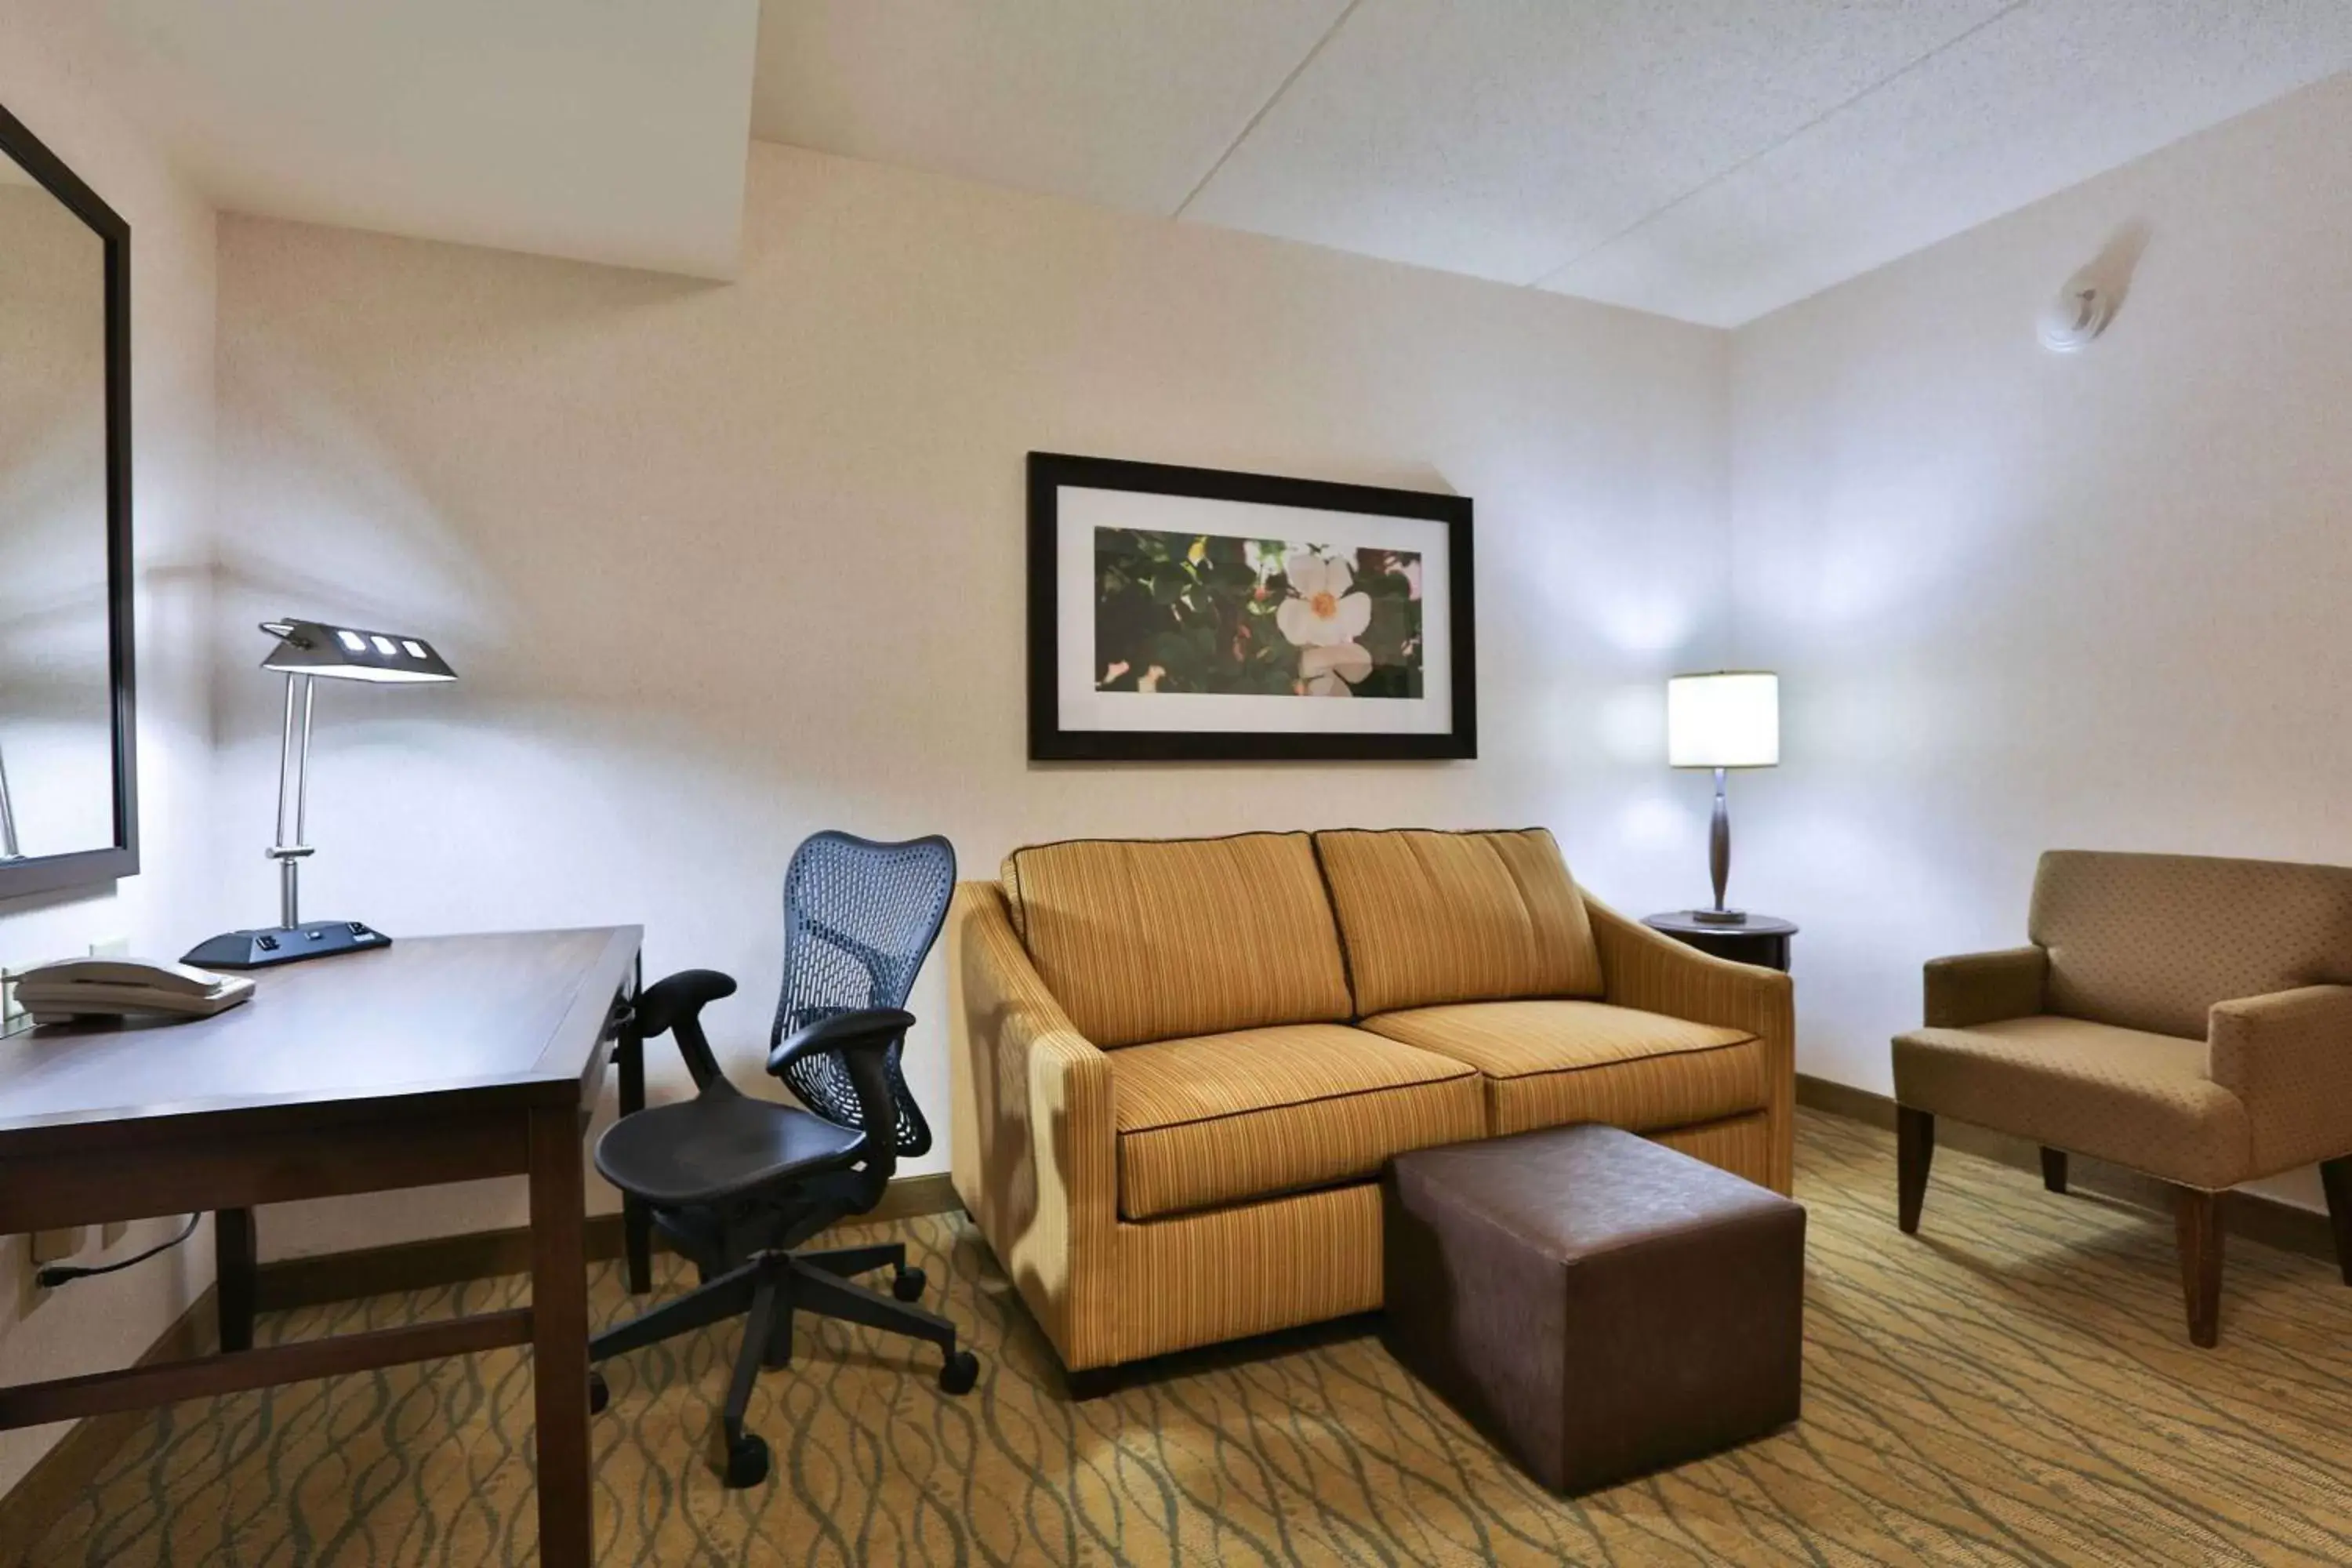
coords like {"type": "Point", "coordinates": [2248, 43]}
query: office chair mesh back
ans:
{"type": "Point", "coordinates": [859, 917]}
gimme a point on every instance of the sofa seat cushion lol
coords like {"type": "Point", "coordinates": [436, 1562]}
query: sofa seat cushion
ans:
{"type": "Point", "coordinates": [1433, 918]}
{"type": "Point", "coordinates": [2123, 1095]}
{"type": "Point", "coordinates": [1548, 1064]}
{"type": "Point", "coordinates": [1157, 940]}
{"type": "Point", "coordinates": [1222, 1118]}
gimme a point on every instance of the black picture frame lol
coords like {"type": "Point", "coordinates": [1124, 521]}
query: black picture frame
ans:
{"type": "Point", "coordinates": [1051, 472]}
{"type": "Point", "coordinates": [89, 867]}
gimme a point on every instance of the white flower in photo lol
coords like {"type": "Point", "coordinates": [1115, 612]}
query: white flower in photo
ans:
{"type": "Point", "coordinates": [1321, 612]}
{"type": "Point", "coordinates": [1329, 671]}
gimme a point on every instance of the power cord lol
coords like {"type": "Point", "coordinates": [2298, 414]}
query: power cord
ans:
{"type": "Point", "coordinates": [49, 1276]}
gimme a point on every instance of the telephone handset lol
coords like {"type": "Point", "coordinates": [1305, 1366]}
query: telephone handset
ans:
{"type": "Point", "coordinates": [87, 987]}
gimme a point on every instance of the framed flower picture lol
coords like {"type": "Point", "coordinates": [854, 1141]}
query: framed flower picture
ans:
{"type": "Point", "coordinates": [1195, 614]}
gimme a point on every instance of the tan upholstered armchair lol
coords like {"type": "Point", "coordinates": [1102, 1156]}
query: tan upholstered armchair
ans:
{"type": "Point", "coordinates": [2186, 1017]}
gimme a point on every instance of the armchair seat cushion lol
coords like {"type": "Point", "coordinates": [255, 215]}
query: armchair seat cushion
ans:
{"type": "Point", "coordinates": [2127, 1096]}
{"type": "Point", "coordinates": [1218, 1118]}
{"type": "Point", "coordinates": [1551, 1064]}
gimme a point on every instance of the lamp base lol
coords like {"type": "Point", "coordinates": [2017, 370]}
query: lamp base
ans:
{"type": "Point", "coordinates": [1720, 917]}
{"type": "Point", "coordinates": [284, 944]}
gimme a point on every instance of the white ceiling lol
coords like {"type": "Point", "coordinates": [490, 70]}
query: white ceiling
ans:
{"type": "Point", "coordinates": [1706, 159]}
{"type": "Point", "coordinates": [2049, 95]}
{"type": "Point", "coordinates": [1122, 102]}
{"type": "Point", "coordinates": [608, 131]}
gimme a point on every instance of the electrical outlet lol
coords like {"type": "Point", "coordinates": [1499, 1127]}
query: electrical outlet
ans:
{"type": "Point", "coordinates": [56, 1245]}
{"type": "Point", "coordinates": [46, 1246]}
{"type": "Point", "coordinates": [43, 1247]}
{"type": "Point", "coordinates": [27, 1255]}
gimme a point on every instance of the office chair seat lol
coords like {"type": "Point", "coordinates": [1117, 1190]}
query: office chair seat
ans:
{"type": "Point", "coordinates": [719, 1145]}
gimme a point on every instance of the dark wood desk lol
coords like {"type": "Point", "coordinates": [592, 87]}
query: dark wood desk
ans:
{"type": "Point", "coordinates": [438, 1059]}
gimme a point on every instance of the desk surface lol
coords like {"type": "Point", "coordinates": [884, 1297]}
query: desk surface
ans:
{"type": "Point", "coordinates": [520, 1012]}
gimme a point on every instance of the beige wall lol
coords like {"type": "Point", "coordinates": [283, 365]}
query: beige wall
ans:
{"type": "Point", "coordinates": [719, 565]}
{"type": "Point", "coordinates": [2023, 600]}
{"type": "Point", "coordinates": [108, 1322]}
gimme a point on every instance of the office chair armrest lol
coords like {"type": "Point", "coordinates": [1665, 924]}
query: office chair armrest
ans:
{"type": "Point", "coordinates": [866, 1028]}
{"type": "Point", "coordinates": [674, 1005]}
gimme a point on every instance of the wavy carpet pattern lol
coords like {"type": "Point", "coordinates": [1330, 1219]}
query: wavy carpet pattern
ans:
{"type": "Point", "coordinates": [2012, 1387]}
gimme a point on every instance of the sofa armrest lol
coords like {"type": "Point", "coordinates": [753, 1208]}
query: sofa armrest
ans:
{"type": "Point", "coordinates": [1034, 1150]}
{"type": "Point", "coordinates": [1642, 968]}
{"type": "Point", "coordinates": [1984, 987]}
{"type": "Point", "coordinates": [2288, 1057]}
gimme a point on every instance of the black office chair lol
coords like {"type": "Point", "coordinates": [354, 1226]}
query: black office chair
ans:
{"type": "Point", "coordinates": [737, 1183]}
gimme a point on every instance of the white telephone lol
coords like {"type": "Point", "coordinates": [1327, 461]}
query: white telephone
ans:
{"type": "Point", "coordinates": [102, 987]}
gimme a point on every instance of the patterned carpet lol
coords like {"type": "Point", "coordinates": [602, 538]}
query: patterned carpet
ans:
{"type": "Point", "coordinates": [2013, 1386]}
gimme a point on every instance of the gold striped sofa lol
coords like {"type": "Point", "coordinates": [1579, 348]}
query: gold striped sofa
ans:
{"type": "Point", "coordinates": [1178, 1066]}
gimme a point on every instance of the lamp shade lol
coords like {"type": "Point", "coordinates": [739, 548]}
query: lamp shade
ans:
{"type": "Point", "coordinates": [1727, 720]}
{"type": "Point", "coordinates": [347, 653]}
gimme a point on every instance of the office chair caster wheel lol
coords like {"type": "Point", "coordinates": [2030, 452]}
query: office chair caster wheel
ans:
{"type": "Point", "coordinates": [599, 1394]}
{"type": "Point", "coordinates": [907, 1284]}
{"type": "Point", "coordinates": [740, 1462]}
{"type": "Point", "coordinates": [960, 1372]}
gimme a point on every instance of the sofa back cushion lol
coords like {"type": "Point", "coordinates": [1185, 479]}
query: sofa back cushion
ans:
{"type": "Point", "coordinates": [1434, 918]}
{"type": "Point", "coordinates": [1158, 939]}
{"type": "Point", "coordinates": [2151, 941]}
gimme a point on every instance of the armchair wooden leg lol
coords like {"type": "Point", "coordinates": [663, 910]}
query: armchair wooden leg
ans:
{"type": "Point", "coordinates": [2336, 1176]}
{"type": "Point", "coordinates": [2053, 1169]}
{"type": "Point", "coordinates": [2197, 1217]}
{"type": "Point", "coordinates": [1915, 1150]}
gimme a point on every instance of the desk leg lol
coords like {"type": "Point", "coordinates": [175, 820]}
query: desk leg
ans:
{"type": "Point", "coordinates": [636, 1222]}
{"type": "Point", "coordinates": [558, 1318]}
{"type": "Point", "coordinates": [235, 1264]}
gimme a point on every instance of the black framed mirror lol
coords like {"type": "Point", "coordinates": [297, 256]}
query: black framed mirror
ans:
{"type": "Point", "coordinates": [69, 771]}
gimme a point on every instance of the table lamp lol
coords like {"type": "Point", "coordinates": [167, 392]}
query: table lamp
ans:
{"type": "Point", "coordinates": [308, 650]}
{"type": "Point", "coordinates": [1730, 719]}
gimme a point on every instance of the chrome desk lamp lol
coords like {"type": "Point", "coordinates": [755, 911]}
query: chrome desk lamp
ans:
{"type": "Point", "coordinates": [309, 650]}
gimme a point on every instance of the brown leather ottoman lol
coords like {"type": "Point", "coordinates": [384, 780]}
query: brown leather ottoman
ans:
{"type": "Point", "coordinates": [1598, 1304]}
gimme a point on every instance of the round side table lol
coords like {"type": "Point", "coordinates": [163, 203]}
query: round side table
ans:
{"type": "Point", "coordinates": [1759, 939]}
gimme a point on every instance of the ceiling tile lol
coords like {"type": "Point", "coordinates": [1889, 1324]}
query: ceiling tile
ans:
{"type": "Point", "coordinates": [2048, 96]}
{"type": "Point", "coordinates": [1503, 139]}
{"type": "Point", "coordinates": [1127, 103]}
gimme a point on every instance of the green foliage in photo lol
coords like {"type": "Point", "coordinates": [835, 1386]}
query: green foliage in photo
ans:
{"type": "Point", "coordinates": [1266, 617]}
